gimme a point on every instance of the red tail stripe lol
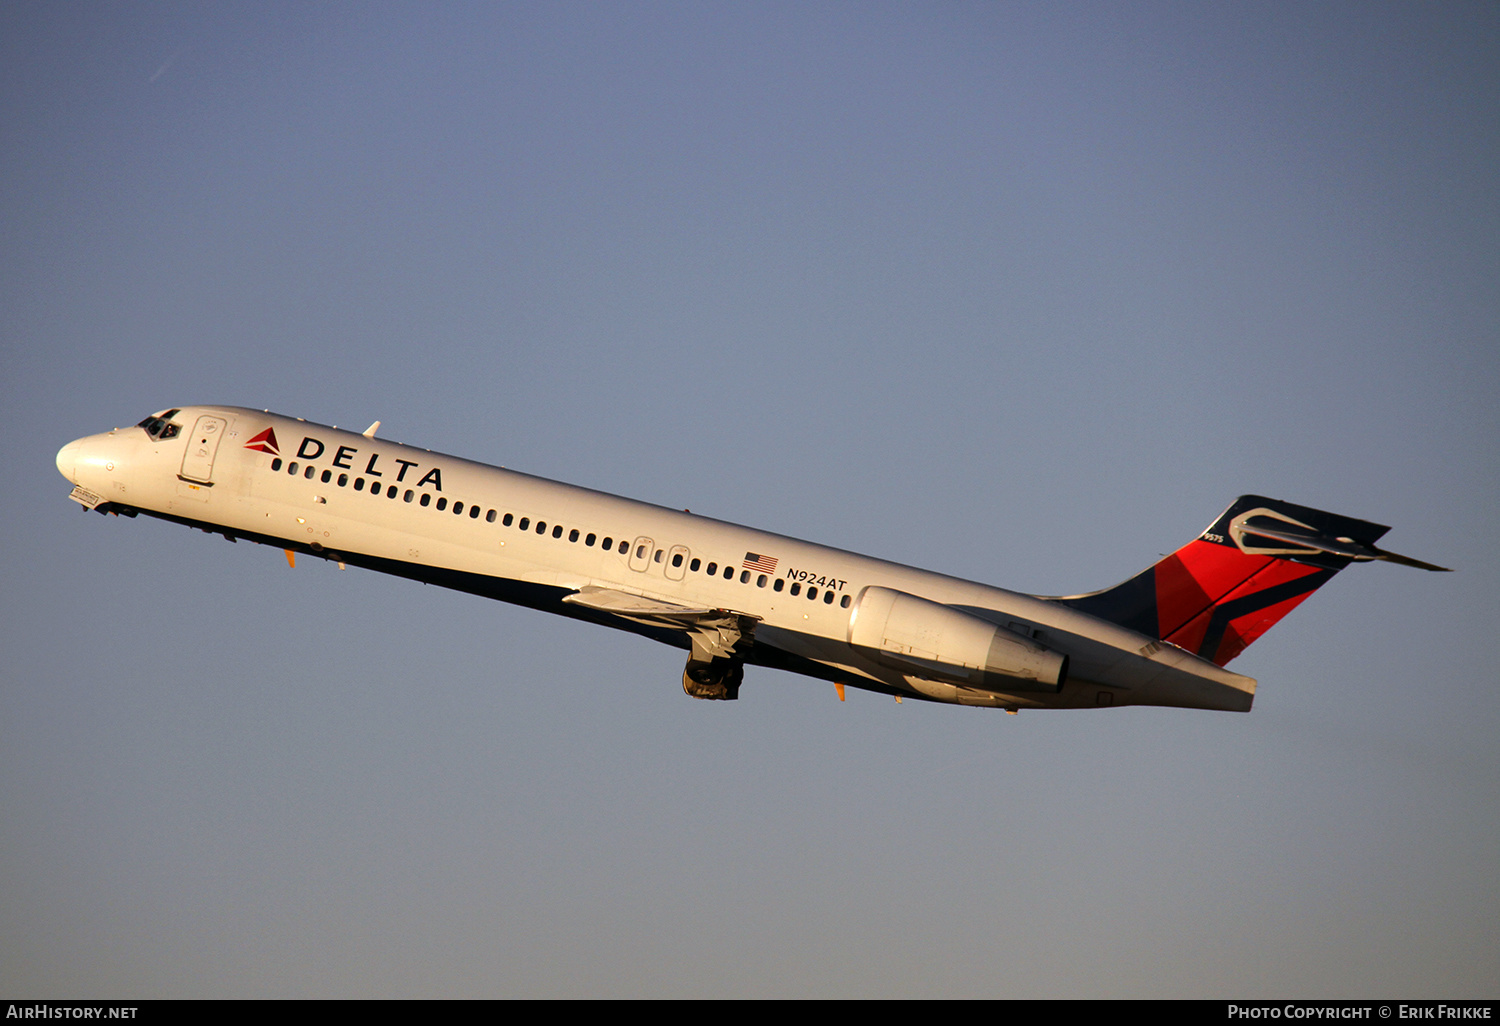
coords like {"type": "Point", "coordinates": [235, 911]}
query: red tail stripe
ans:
{"type": "Point", "coordinates": [1195, 578]}
{"type": "Point", "coordinates": [1265, 573]}
{"type": "Point", "coordinates": [1201, 576]}
{"type": "Point", "coordinates": [1252, 625]}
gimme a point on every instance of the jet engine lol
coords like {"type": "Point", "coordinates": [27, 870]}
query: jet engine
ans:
{"type": "Point", "coordinates": [931, 640]}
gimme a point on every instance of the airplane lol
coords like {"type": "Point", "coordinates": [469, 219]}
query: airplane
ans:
{"type": "Point", "coordinates": [729, 595]}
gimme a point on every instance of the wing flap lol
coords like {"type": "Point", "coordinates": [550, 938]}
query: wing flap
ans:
{"type": "Point", "coordinates": [623, 603]}
{"type": "Point", "coordinates": [714, 633]}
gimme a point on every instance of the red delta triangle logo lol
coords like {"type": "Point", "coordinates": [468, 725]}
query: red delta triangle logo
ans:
{"type": "Point", "coordinates": [265, 442]}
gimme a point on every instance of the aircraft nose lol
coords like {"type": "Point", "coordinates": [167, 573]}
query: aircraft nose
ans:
{"type": "Point", "coordinates": [67, 460]}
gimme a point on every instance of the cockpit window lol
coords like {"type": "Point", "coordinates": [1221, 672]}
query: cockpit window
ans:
{"type": "Point", "coordinates": [160, 428]}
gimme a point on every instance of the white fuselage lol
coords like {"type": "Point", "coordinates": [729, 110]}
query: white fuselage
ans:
{"type": "Point", "coordinates": [370, 502]}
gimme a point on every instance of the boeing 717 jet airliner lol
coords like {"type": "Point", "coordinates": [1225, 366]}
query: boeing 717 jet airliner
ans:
{"type": "Point", "coordinates": [729, 595]}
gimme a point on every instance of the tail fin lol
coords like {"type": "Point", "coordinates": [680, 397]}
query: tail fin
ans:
{"type": "Point", "coordinates": [1230, 585]}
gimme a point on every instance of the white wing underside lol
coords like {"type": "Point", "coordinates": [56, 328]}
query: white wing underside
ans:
{"type": "Point", "coordinates": [715, 633]}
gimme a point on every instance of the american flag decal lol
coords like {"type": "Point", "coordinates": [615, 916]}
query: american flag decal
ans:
{"type": "Point", "coordinates": [758, 563]}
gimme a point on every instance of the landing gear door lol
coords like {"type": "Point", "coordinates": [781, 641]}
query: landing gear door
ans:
{"type": "Point", "coordinates": [202, 445]}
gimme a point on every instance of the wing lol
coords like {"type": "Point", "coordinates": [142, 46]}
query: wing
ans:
{"type": "Point", "coordinates": [714, 633]}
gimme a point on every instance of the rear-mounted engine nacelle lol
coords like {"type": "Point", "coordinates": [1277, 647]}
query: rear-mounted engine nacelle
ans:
{"type": "Point", "coordinates": [938, 642]}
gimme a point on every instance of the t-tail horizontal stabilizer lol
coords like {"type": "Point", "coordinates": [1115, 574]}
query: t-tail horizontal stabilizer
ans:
{"type": "Point", "coordinates": [1356, 552]}
{"type": "Point", "coordinates": [1231, 584]}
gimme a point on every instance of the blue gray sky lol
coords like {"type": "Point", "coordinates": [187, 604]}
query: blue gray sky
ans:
{"type": "Point", "coordinates": [1025, 293]}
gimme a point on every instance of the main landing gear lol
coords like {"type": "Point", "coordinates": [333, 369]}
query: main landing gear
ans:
{"type": "Point", "coordinates": [717, 679]}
